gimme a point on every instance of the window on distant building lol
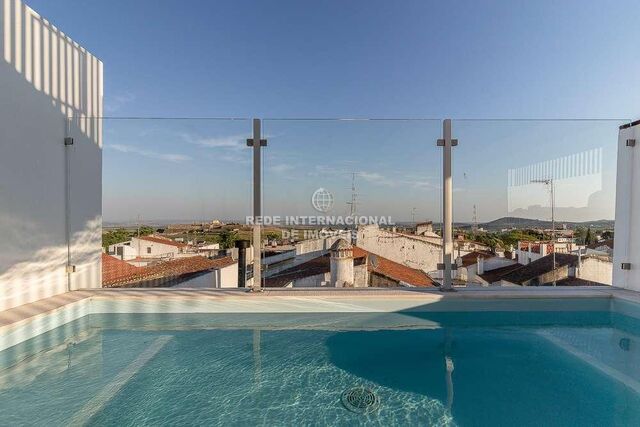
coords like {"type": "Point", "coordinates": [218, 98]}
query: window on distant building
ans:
{"type": "Point", "coordinates": [148, 249]}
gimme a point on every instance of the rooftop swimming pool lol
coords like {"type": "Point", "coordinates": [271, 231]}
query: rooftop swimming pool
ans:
{"type": "Point", "coordinates": [468, 368]}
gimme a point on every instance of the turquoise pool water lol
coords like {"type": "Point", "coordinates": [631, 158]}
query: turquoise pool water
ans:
{"type": "Point", "coordinates": [466, 369]}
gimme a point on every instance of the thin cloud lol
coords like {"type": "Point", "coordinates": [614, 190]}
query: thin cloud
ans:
{"type": "Point", "coordinates": [234, 142]}
{"type": "Point", "coordinates": [169, 157]}
{"type": "Point", "coordinates": [116, 102]}
{"type": "Point", "coordinates": [281, 168]}
{"type": "Point", "coordinates": [375, 177]}
{"type": "Point", "coordinates": [322, 170]}
{"type": "Point", "coordinates": [424, 185]}
{"type": "Point", "coordinates": [232, 158]}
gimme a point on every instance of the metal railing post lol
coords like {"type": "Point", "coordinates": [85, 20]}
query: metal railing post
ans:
{"type": "Point", "coordinates": [257, 143]}
{"type": "Point", "coordinates": [447, 206]}
{"type": "Point", "coordinates": [68, 146]}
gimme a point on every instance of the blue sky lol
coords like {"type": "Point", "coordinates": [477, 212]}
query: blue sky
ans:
{"type": "Point", "coordinates": [291, 59]}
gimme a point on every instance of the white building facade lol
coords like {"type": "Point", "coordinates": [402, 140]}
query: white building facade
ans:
{"type": "Point", "coordinates": [147, 247]}
{"type": "Point", "coordinates": [419, 252]}
{"type": "Point", "coordinates": [51, 214]}
{"type": "Point", "coordinates": [527, 252]}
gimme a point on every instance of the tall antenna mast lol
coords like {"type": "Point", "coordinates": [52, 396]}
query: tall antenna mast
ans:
{"type": "Point", "coordinates": [550, 184]}
{"type": "Point", "coordinates": [354, 196]}
{"type": "Point", "coordinates": [413, 215]}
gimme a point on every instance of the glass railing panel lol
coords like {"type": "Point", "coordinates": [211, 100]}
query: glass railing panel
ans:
{"type": "Point", "coordinates": [175, 195]}
{"type": "Point", "coordinates": [534, 191]}
{"type": "Point", "coordinates": [81, 236]}
{"type": "Point", "coordinates": [359, 187]}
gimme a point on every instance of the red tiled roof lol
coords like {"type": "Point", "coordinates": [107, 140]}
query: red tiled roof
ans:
{"type": "Point", "coordinates": [472, 257]}
{"type": "Point", "coordinates": [496, 274]}
{"type": "Point", "coordinates": [322, 265]}
{"type": "Point", "coordinates": [575, 281]}
{"type": "Point", "coordinates": [222, 262]}
{"type": "Point", "coordinates": [313, 267]}
{"type": "Point", "coordinates": [116, 272]}
{"type": "Point", "coordinates": [163, 241]}
{"type": "Point", "coordinates": [608, 242]}
{"type": "Point", "coordinates": [539, 267]}
{"type": "Point", "coordinates": [394, 270]}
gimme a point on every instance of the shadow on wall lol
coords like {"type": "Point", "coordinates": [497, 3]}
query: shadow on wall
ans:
{"type": "Point", "coordinates": [44, 273]}
{"type": "Point", "coordinates": [51, 193]}
{"type": "Point", "coordinates": [53, 64]}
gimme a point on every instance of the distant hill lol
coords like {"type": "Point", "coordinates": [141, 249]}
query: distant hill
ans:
{"type": "Point", "coordinates": [522, 223]}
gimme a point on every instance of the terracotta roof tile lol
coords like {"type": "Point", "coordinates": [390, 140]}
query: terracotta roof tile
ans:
{"type": "Point", "coordinates": [313, 267]}
{"type": "Point", "coordinates": [496, 274]}
{"type": "Point", "coordinates": [472, 257]}
{"type": "Point", "coordinates": [539, 267]}
{"type": "Point", "coordinates": [322, 265]}
{"type": "Point", "coordinates": [608, 242]}
{"type": "Point", "coordinates": [116, 272]}
{"type": "Point", "coordinates": [394, 270]}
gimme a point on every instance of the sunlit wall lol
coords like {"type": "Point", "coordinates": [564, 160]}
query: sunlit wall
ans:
{"type": "Point", "coordinates": [50, 213]}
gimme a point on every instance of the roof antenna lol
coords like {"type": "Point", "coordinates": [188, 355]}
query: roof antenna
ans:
{"type": "Point", "coordinates": [354, 196]}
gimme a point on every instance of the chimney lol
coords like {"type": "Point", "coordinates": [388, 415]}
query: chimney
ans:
{"type": "Point", "coordinates": [242, 246]}
{"type": "Point", "coordinates": [480, 265]}
{"type": "Point", "coordinates": [341, 264]}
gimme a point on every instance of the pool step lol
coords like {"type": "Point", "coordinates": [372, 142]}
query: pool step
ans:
{"type": "Point", "coordinates": [100, 400]}
{"type": "Point", "coordinates": [602, 366]}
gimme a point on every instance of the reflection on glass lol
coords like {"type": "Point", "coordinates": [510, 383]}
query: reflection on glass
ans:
{"type": "Point", "coordinates": [354, 203]}
{"type": "Point", "coordinates": [176, 194]}
{"type": "Point", "coordinates": [534, 202]}
{"type": "Point", "coordinates": [577, 181]}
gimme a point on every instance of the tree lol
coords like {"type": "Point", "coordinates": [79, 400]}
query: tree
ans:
{"type": "Point", "coordinates": [211, 238]}
{"type": "Point", "coordinates": [228, 239]}
{"type": "Point", "coordinates": [579, 235]}
{"type": "Point", "coordinates": [145, 230]}
{"type": "Point", "coordinates": [589, 238]}
{"type": "Point", "coordinates": [271, 235]}
{"type": "Point", "coordinates": [115, 236]}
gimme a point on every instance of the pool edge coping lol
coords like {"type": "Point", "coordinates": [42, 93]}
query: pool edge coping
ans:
{"type": "Point", "coordinates": [27, 321]}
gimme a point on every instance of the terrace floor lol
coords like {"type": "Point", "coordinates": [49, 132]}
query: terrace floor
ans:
{"type": "Point", "coordinates": [306, 300]}
{"type": "Point", "coordinates": [22, 323]}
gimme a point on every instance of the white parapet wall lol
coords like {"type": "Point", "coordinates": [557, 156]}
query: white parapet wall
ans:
{"type": "Point", "coordinates": [419, 252]}
{"type": "Point", "coordinates": [627, 228]}
{"type": "Point", "coordinates": [50, 213]}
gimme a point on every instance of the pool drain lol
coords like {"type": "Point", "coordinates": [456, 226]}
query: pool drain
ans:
{"type": "Point", "coordinates": [360, 400]}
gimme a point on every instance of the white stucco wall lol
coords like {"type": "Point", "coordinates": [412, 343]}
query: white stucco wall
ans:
{"type": "Point", "coordinates": [304, 251]}
{"type": "Point", "coordinates": [312, 281]}
{"type": "Point", "coordinates": [360, 276]}
{"type": "Point", "coordinates": [627, 226]}
{"type": "Point", "coordinates": [595, 270]}
{"type": "Point", "coordinates": [150, 249]}
{"type": "Point", "coordinates": [413, 252]}
{"type": "Point", "coordinates": [123, 250]}
{"type": "Point", "coordinates": [497, 262]}
{"type": "Point", "coordinates": [45, 78]}
{"type": "Point", "coordinates": [226, 277]}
